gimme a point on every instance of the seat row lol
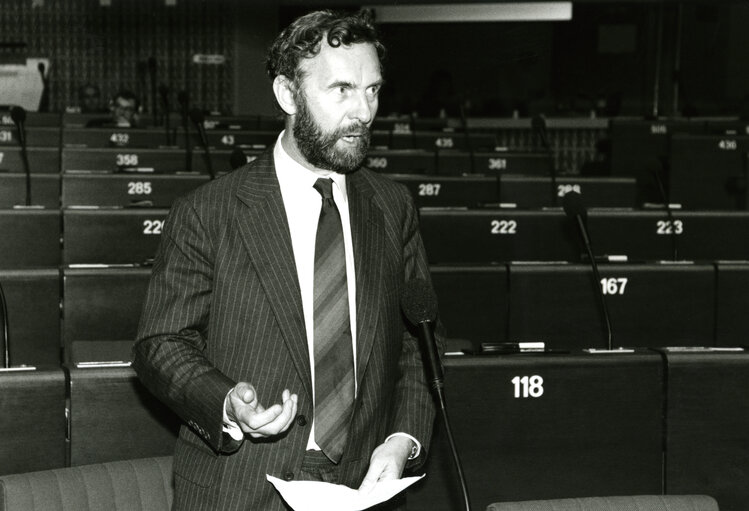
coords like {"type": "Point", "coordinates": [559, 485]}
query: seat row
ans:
{"type": "Point", "coordinates": [223, 138]}
{"type": "Point", "coordinates": [527, 426]}
{"type": "Point", "coordinates": [77, 415]}
{"type": "Point", "coordinates": [127, 189]}
{"type": "Point", "coordinates": [95, 235]}
{"type": "Point", "coordinates": [172, 160]}
{"type": "Point", "coordinates": [91, 314]}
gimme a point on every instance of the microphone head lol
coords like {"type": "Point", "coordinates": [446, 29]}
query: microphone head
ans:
{"type": "Point", "coordinates": [573, 205]}
{"type": "Point", "coordinates": [237, 158]}
{"type": "Point", "coordinates": [418, 301]}
{"type": "Point", "coordinates": [197, 116]}
{"type": "Point", "coordinates": [538, 122]}
{"type": "Point", "coordinates": [18, 114]}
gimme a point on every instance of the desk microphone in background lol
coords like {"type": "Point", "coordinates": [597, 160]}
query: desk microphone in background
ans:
{"type": "Point", "coordinates": [5, 334]}
{"type": "Point", "coordinates": [18, 114]}
{"type": "Point", "coordinates": [197, 117]}
{"type": "Point", "coordinates": [164, 93]}
{"type": "Point", "coordinates": [419, 305]}
{"type": "Point", "coordinates": [655, 167]}
{"type": "Point", "coordinates": [575, 209]}
{"type": "Point", "coordinates": [44, 101]}
{"type": "Point", "coordinates": [184, 107]}
{"type": "Point", "coordinates": [538, 124]}
{"type": "Point", "coordinates": [154, 103]}
{"type": "Point", "coordinates": [141, 68]}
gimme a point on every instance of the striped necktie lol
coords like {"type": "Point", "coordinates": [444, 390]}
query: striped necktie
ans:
{"type": "Point", "coordinates": [333, 352]}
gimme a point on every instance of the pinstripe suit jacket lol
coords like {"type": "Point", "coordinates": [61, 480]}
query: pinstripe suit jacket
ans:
{"type": "Point", "coordinates": [224, 306]}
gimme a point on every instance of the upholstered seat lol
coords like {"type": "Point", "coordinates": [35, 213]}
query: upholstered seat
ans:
{"type": "Point", "coordinates": [135, 485]}
{"type": "Point", "coordinates": [630, 503]}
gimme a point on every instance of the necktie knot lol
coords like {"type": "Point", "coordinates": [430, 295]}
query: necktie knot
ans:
{"type": "Point", "coordinates": [324, 186]}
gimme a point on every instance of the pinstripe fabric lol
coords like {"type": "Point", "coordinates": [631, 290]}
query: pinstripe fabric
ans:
{"type": "Point", "coordinates": [224, 305]}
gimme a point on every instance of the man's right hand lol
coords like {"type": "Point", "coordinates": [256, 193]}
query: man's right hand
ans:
{"type": "Point", "coordinates": [244, 408]}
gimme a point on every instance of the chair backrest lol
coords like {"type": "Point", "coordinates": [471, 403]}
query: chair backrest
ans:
{"type": "Point", "coordinates": [629, 503]}
{"type": "Point", "coordinates": [135, 485]}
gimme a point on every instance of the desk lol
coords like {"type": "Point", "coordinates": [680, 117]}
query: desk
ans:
{"type": "Point", "coordinates": [547, 426]}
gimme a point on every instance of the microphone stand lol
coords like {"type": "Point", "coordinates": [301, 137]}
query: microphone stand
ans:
{"type": "Point", "coordinates": [539, 124]}
{"type": "Point", "coordinates": [596, 279]}
{"type": "Point", "coordinates": [669, 213]}
{"type": "Point", "coordinates": [437, 385]}
{"type": "Point", "coordinates": [6, 334]}
{"type": "Point", "coordinates": [184, 104]}
{"type": "Point", "coordinates": [573, 207]}
{"type": "Point", "coordinates": [18, 114]}
{"type": "Point", "coordinates": [27, 170]}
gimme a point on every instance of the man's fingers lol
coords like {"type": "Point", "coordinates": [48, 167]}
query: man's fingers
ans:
{"type": "Point", "coordinates": [259, 419]}
{"type": "Point", "coordinates": [281, 422]}
{"type": "Point", "coordinates": [373, 475]}
{"type": "Point", "coordinates": [246, 393]}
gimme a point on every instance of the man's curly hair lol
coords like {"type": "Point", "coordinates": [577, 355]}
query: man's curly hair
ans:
{"type": "Point", "coordinates": [302, 39]}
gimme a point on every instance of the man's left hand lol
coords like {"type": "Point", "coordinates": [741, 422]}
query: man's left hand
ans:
{"type": "Point", "coordinates": [387, 462]}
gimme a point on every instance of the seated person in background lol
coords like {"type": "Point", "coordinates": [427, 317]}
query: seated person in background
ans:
{"type": "Point", "coordinates": [125, 109]}
{"type": "Point", "coordinates": [89, 99]}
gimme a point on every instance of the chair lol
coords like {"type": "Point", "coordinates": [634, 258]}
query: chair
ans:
{"type": "Point", "coordinates": [113, 417]}
{"type": "Point", "coordinates": [31, 437]}
{"type": "Point", "coordinates": [101, 311]}
{"type": "Point", "coordinates": [31, 238]}
{"type": "Point", "coordinates": [143, 484]}
{"type": "Point", "coordinates": [156, 190]}
{"type": "Point", "coordinates": [547, 426]}
{"type": "Point", "coordinates": [33, 297]}
{"type": "Point", "coordinates": [631, 503]}
{"type": "Point", "coordinates": [111, 236]}
{"type": "Point", "coordinates": [645, 303]}
{"type": "Point", "coordinates": [706, 438]}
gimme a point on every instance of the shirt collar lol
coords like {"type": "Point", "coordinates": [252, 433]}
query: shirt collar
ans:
{"type": "Point", "coordinates": [292, 174]}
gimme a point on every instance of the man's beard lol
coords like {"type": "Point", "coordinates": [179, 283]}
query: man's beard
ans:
{"type": "Point", "coordinates": [319, 148]}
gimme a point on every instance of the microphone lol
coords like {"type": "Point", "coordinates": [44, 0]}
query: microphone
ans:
{"type": "Point", "coordinates": [164, 93]}
{"type": "Point", "coordinates": [184, 105]}
{"type": "Point", "coordinates": [5, 334]}
{"type": "Point", "coordinates": [18, 114]}
{"type": "Point", "coordinates": [575, 209]}
{"type": "Point", "coordinates": [44, 101]}
{"type": "Point", "coordinates": [237, 158]}
{"type": "Point", "coordinates": [655, 167]}
{"type": "Point", "coordinates": [140, 71]}
{"type": "Point", "coordinates": [538, 124]}
{"type": "Point", "coordinates": [152, 74]}
{"type": "Point", "coordinates": [419, 305]}
{"type": "Point", "coordinates": [197, 117]}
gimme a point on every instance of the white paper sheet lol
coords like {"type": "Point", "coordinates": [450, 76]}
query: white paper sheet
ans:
{"type": "Point", "coordinates": [314, 495]}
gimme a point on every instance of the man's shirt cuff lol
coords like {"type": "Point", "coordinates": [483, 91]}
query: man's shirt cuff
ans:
{"type": "Point", "coordinates": [230, 427]}
{"type": "Point", "coordinates": [415, 451]}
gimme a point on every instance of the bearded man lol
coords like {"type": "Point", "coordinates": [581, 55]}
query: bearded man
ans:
{"type": "Point", "coordinates": [280, 282]}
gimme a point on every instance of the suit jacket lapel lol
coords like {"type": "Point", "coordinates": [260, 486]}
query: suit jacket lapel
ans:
{"type": "Point", "coordinates": [264, 230]}
{"type": "Point", "coordinates": [367, 230]}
